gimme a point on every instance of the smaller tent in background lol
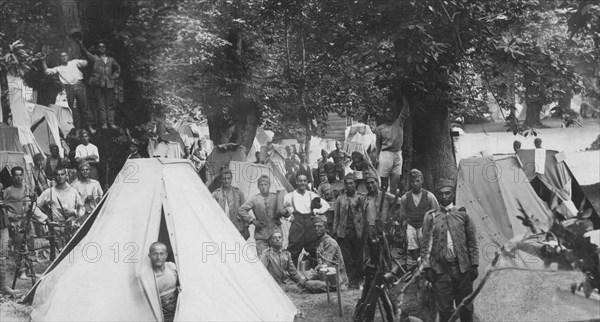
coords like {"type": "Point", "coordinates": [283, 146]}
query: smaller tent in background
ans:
{"type": "Point", "coordinates": [45, 128]}
{"type": "Point", "coordinates": [10, 159]}
{"type": "Point", "coordinates": [18, 139]}
{"type": "Point", "coordinates": [64, 117]}
{"type": "Point", "coordinates": [219, 159]}
{"type": "Point", "coordinates": [275, 156]}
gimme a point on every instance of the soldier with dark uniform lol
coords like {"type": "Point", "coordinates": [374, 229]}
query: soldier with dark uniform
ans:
{"type": "Point", "coordinates": [450, 253]}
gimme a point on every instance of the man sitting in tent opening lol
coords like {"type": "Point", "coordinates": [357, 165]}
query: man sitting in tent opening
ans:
{"type": "Point", "coordinates": [413, 206]}
{"type": "Point", "coordinates": [266, 215]}
{"type": "Point", "coordinates": [450, 253]}
{"type": "Point", "coordinates": [298, 204]}
{"type": "Point", "coordinates": [230, 199]}
{"type": "Point", "coordinates": [329, 254]}
{"type": "Point", "coordinates": [165, 274]}
{"type": "Point", "coordinates": [279, 263]}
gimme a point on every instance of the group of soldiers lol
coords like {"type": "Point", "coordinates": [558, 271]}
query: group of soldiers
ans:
{"type": "Point", "coordinates": [54, 201]}
{"type": "Point", "coordinates": [437, 232]}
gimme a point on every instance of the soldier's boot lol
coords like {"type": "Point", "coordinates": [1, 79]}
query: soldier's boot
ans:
{"type": "Point", "coordinates": [4, 278]}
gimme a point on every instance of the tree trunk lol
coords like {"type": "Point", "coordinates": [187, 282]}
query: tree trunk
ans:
{"type": "Point", "coordinates": [532, 115]}
{"type": "Point", "coordinates": [432, 145]}
{"type": "Point", "coordinates": [246, 115]}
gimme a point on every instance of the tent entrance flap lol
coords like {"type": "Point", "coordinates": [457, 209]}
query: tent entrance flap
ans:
{"type": "Point", "coordinates": [163, 237]}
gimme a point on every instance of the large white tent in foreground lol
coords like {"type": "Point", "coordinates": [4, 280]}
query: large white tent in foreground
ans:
{"type": "Point", "coordinates": [105, 274]}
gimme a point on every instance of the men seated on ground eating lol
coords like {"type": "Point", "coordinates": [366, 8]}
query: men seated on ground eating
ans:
{"type": "Point", "coordinates": [329, 255]}
{"type": "Point", "coordinates": [166, 276]}
{"type": "Point", "coordinates": [279, 263]}
{"type": "Point", "coordinates": [266, 219]}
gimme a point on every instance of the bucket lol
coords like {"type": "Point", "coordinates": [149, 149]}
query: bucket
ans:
{"type": "Point", "coordinates": [322, 274]}
{"type": "Point", "coordinates": [304, 266]}
{"type": "Point", "coordinates": [331, 278]}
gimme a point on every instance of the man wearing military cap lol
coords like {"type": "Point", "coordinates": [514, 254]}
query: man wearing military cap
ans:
{"type": "Point", "coordinates": [450, 253]}
{"type": "Point", "coordinates": [329, 254]}
{"type": "Point", "coordinates": [134, 146]}
{"type": "Point", "coordinates": [348, 228]}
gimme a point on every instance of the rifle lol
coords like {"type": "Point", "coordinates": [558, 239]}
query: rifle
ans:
{"type": "Point", "coordinates": [375, 293]}
{"type": "Point", "coordinates": [22, 248]}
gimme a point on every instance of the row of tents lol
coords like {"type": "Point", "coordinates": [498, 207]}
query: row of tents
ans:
{"type": "Point", "coordinates": [217, 269]}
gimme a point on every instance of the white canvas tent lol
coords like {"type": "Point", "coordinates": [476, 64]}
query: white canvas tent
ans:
{"type": "Point", "coordinates": [105, 275]}
{"type": "Point", "coordinates": [45, 128]}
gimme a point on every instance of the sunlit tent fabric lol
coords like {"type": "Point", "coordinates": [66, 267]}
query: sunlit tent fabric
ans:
{"type": "Point", "coordinates": [219, 159]}
{"type": "Point", "coordinates": [19, 139]}
{"type": "Point", "coordinates": [158, 199]}
{"type": "Point", "coordinates": [45, 128]}
{"type": "Point", "coordinates": [494, 189]}
{"type": "Point", "coordinates": [556, 177]}
{"type": "Point", "coordinates": [64, 116]}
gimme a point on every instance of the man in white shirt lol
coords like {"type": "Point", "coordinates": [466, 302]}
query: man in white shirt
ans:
{"type": "Point", "coordinates": [86, 151]}
{"type": "Point", "coordinates": [301, 205]}
{"type": "Point", "coordinates": [72, 79]}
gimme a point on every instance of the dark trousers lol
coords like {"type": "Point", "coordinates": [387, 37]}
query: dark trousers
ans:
{"type": "Point", "coordinates": [106, 104]}
{"type": "Point", "coordinates": [302, 235]}
{"type": "Point", "coordinates": [352, 252]}
{"type": "Point", "coordinates": [81, 114]}
{"type": "Point", "coordinates": [451, 287]}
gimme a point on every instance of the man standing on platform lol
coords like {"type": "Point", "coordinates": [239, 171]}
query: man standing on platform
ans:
{"type": "Point", "coordinates": [450, 253]}
{"type": "Point", "coordinates": [104, 75]}
{"type": "Point", "coordinates": [72, 79]}
{"type": "Point", "coordinates": [413, 206]}
{"type": "Point", "coordinates": [265, 219]}
{"type": "Point", "coordinates": [301, 206]}
{"type": "Point", "coordinates": [389, 140]}
{"type": "Point", "coordinates": [230, 199]}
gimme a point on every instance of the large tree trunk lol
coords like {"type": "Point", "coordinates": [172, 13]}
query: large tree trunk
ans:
{"type": "Point", "coordinates": [246, 115]}
{"type": "Point", "coordinates": [532, 115]}
{"type": "Point", "coordinates": [432, 145]}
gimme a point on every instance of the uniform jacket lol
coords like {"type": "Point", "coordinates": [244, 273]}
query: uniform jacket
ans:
{"type": "Point", "coordinates": [348, 208]}
{"type": "Point", "coordinates": [264, 210]}
{"type": "Point", "coordinates": [435, 229]}
{"type": "Point", "coordinates": [280, 266]}
{"type": "Point", "coordinates": [329, 251]}
{"type": "Point", "coordinates": [103, 74]}
{"type": "Point", "coordinates": [234, 200]}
